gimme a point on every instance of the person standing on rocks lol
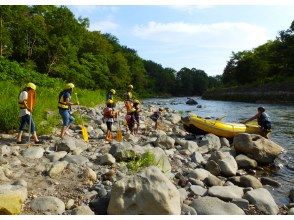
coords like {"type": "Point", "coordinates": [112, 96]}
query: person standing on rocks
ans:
{"type": "Point", "coordinates": [110, 94]}
{"type": "Point", "coordinates": [155, 116]}
{"type": "Point", "coordinates": [109, 114]}
{"type": "Point", "coordinates": [137, 115]}
{"type": "Point", "coordinates": [64, 106]}
{"type": "Point", "coordinates": [129, 98]}
{"type": "Point", "coordinates": [26, 113]}
{"type": "Point", "coordinates": [263, 121]}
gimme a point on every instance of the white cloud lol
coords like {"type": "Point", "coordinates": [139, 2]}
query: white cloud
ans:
{"type": "Point", "coordinates": [103, 26]}
{"type": "Point", "coordinates": [235, 35]}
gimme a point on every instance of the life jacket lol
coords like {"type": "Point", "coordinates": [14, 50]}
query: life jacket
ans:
{"type": "Point", "coordinates": [129, 106]}
{"type": "Point", "coordinates": [62, 103]}
{"type": "Point", "coordinates": [128, 95]}
{"type": "Point", "coordinates": [264, 120]}
{"type": "Point", "coordinates": [107, 112]}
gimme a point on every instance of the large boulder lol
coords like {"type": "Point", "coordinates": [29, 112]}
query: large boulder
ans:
{"type": "Point", "coordinates": [213, 206]}
{"type": "Point", "coordinates": [47, 205]}
{"type": "Point", "coordinates": [191, 102]}
{"type": "Point", "coordinates": [161, 160]}
{"type": "Point", "coordinates": [210, 140]}
{"type": "Point", "coordinates": [165, 141]}
{"type": "Point", "coordinates": [263, 200]}
{"type": "Point", "coordinates": [16, 190]}
{"type": "Point", "coordinates": [245, 162]}
{"type": "Point", "coordinates": [257, 147]}
{"type": "Point", "coordinates": [33, 152]}
{"type": "Point", "coordinates": [148, 192]}
{"type": "Point", "coordinates": [226, 193]}
{"type": "Point", "coordinates": [250, 181]}
{"type": "Point", "coordinates": [10, 204]}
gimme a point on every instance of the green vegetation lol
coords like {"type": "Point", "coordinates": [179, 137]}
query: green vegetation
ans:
{"type": "Point", "coordinates": [137, 162]}
{"type": "Point", "coordinates": [264, 73]}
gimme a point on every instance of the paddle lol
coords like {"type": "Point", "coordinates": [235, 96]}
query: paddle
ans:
{"type": "Point", "coordinates": [119, 136]}
{"type": "Point", "coordinates": [84, 130]}
{"type": "Point", "coordinates": [31, 103]}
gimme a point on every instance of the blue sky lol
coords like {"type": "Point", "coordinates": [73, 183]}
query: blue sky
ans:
{"type": "Point", "coordinates": [189, 36]}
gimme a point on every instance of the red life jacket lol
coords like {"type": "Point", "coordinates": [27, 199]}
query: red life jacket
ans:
{"type": "Point", "coordinates": [107, 112]}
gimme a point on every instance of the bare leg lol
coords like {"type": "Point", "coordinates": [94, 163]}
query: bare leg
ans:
{"type": "Point", "coordinates": [156, 124]}
{"type": "Point", "coordinates": [63, 130]}
{"type": "Point", "coordinates": [19, 136]}
{"type": "Point", "coordinates": [35, 136]}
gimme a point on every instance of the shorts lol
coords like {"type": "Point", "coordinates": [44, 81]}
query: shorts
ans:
{"type": "Point", "coordinates": [154, 117]}
{"type": "Point", "coordinates": [66, 117]}
{"type": "Point", "coordinates": [109, 125]}
{"type": "Point", "coordinates": [26, 120]}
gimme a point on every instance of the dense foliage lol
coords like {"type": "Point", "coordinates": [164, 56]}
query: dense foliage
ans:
{"type": "Point", "coordinates": [51, 41]}
{"type": "Point", "coordinates": [270, 62]}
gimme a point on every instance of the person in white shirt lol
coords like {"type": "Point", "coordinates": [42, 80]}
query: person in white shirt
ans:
{"type": "Point", "coordinates": [25, 114]}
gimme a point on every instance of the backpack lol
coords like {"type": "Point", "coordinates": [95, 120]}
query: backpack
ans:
{"type": "Point", "coordinates": [107, 112]}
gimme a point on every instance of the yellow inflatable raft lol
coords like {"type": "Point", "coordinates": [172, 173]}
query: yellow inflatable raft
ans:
{"type": "Point", "coordinates": [198, 125]}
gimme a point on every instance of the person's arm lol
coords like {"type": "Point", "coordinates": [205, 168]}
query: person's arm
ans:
{"type": "Point", "coordinates": [252, 118]}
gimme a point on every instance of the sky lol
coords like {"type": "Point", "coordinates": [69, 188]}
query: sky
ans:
{"type": "Point", "coordinates": [177, 36]}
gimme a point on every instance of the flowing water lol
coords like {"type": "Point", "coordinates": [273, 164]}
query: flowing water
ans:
{"type": "Point", "coordinates": [282, 117]}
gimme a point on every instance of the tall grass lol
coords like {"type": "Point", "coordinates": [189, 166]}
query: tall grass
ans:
{"type": "Point", "coordinates": [45, 113]}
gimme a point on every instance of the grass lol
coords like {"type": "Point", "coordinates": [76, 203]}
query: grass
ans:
{"type": "Point", "coordinates": [45, 113]}
{"type": "Point", "coordinates": [138, 162]}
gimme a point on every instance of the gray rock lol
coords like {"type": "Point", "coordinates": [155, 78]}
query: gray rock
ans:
{"type": "Point", "coordinates": [269, 181]}
{"type": "Point", "coordinates": [57, 168]}
{"type": "Point", "coordinates": [228, 166]}
{"type": "Point", "coordinates": [226, 193]}
{"type": "Point", "coordinates": [197, 158]}
{"type": "Point", "coordinates": [70, 204]}
{"type": "Point", "coordinates": [33, 152]}
{"type": "Point", "coordinates": [148, 192]}
{"type": "Point", "coordinates": [210, 140]}
{"type": "Point", "coordinates": [161, 160]}
{"type": "Point", "coordinates": [199, 174]}
{"type": "Point", "coordinates": [165, 141]}
{"type": "Point", "coordinates": [175, 118]}
{"type": "Point", "coordinates": [213, 206]}
{"type": "Point", "coordinates": [5, 150]}
{"type": "Point", "coordinates": [212, 180]}
{"type": "Point", "coordinates": [245, 162]}
{"type": "Point", "coordinates": [17, 190]}
{"type": "Point", "coordinates": [213, 167]}
{"type": "Point", "coordinates": [67, 144]}
{"type": "Point", "coordinates": [291, 211]}
{"type": "Point", "coordinates": [198, 190]}
{"type": "Point", "coordinates": [217, 156]}
{"type": "Point", "coordinates": [188, 210]}
{"type": "Point", "coordinates": [250, 181]}
{"type": "Point", "coordinates": [241, 203]}
{"type": "Point", "coordinates": [183, 194]}
{"type": "Point", "coordinates": [56, 156]}
{"type": "Point", "coordinates": [106, 159]}
{"type": "Point", "coordinates": [3, 177]}
{"type": "Point", "coordinates": [224, 142]}
{"type": "Point", "coordinates": [82, 210]}
{"type": "Point", "coordinates": [47, 204]}
{"type": "Point", "coordinates": [121, 151]}
{"type": "Point", "coordinates": [191, 146]}
{"type": "Point", "coordinates": [76, 159]}
{"type": "Point", "coordinates": [263, 200]}
{"type": "Point", "coordinates": [257, 147]}
{"type": "Point", "coordinates": [20, 182]}
{"type": "Point", "coordinates": [196, 182]}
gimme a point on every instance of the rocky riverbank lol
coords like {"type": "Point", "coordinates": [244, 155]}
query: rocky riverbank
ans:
{"type": "Point", "coordinates": [189, 175]}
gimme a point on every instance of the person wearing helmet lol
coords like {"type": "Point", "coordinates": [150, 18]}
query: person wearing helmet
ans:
{"type": "Point", "coordinates": [110, 94]}
{"type": "Point", "coordinates": [263, 120]}
{"type": "Point", "coordinates": [130, 119]}
{"type": "Point", "coordinates": [155, 116]}
{"type": "Point", "coordinates": [64, 106]}
{"type": "Point", "coordinates": [25, 113]}
{"type": "Point", "coordinates": [137, 115]}
{"type": "Point", "coordinates": [108, 117]}
{"type": "Point", "coordinates": [129, 98]}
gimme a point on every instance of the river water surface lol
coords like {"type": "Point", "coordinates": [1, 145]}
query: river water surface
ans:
{"type": "Point", "coordinates": [282, 117]}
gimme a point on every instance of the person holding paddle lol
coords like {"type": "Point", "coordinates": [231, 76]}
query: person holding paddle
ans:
{"type": "Point", "coordinates": [26, 102]}
{"type": "Point", "coordinates": [64, 106]}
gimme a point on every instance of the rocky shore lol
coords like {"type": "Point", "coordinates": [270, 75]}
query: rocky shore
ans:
{"type": "Point", "coordinates": [190, 175]}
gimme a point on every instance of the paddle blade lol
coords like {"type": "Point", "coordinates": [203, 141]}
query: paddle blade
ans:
{"type": "Point", "coordinates": [85, 134]}
{"type": "Point", "coordinates": [119, 136]}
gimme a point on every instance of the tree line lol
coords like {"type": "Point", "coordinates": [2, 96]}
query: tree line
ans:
{"type": "Point", "coordinates": [51, 41]}
{"type": "Point", "coordinates": [267, 63]}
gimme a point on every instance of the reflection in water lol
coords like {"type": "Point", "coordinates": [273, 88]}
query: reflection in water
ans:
{"type": "Point", "coordinates": [283, 129]}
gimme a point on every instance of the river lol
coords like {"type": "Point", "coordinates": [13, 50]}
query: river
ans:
{"type": "Point", "coordinates": [282, 117]}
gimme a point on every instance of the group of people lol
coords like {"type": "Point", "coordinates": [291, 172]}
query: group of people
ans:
{"type": "Point", "coordinates": [132, 117]}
